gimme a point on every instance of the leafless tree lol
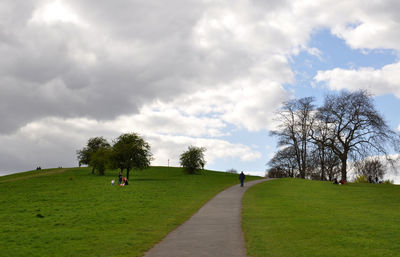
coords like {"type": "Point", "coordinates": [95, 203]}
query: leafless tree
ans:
{"type": "Point", "coordinates": [284, 161]}
{"type": "Point", "coordinates": [355, 129]}
{"type": "Point", "coordinates": [325, 159]}
{"type": "Point", "coordinates": [293, 131]}
{"type": "Point", "coordinates": [370, 167]}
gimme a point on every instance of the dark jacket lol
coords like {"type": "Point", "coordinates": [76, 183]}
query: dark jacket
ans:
{"type": "Point", "coordinates": [242, 176]}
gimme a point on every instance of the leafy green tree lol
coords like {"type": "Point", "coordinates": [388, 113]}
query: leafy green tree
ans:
{"type": "Point", "coordinates": [193, 159]}
{"type": "Point", "coordinates": [85, 155]}
{"type": "Point", "coordinates": [100, 159]}
{"type": "Point", "coordinates": [130, 151]}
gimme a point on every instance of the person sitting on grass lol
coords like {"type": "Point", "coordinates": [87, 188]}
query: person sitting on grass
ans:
{"type": "Point", "coordinates": [126, 181]}
{"type": "Point", "coordinates": [123, 182]}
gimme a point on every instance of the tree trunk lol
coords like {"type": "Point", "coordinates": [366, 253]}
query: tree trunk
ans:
{"type": "Point", "coordinates": [330, 174]}
{"type": "Point", "coordinates": [322, 163]}
{"type": "Point", "coordinates": [93, 170]}
{"type": "Point", "coordinates": [344, 169]}
{"type": "Point", "coordinates": [323, 169]}
{"type": "Point", "coordinates": [127, 174]}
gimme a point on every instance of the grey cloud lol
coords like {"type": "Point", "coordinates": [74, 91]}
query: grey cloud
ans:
{"type": "Point", "coordinates": [124, 55]}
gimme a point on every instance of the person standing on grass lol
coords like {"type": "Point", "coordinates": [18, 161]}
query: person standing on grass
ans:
{"type": "Point", "coordinates": [241, 178]}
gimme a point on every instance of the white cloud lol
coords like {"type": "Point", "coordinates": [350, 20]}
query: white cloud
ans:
{"type": "Point", "coordinates": [53, 12]}
{"type": "Point", "coordinates": [378, 81]}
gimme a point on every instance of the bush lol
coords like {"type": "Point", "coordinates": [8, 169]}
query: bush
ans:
{"type": "Point", "coordinates": [233, 171]}
{"type": "Point", "coordinates": [361, 179]}
{"type": "Point", "coordinates": [388, 181]}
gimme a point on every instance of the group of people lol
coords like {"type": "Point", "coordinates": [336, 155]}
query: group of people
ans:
{"type": "Point", "coordinates": [342, 181]}
{"type": "Point", "coordinates": [370, 180]}
{"type": "Point", "coordinates": [122, 181]}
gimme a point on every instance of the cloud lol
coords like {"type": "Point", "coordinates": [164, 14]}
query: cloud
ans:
{"type": "Point", "coordinates": [103, 60]}
{"type": "Point", "coordinates": [377, 81]}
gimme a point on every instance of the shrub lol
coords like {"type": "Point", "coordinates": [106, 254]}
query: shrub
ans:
{"type": "Point", "coordinates": [361, 179]}
{"type": "Point", "coordinates": [233, 171]}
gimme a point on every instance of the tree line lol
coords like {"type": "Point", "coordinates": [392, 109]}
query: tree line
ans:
{"type": "Point", "coordinates": [130, 151]}
{"type": "Point", "coordinates": [318, 142]}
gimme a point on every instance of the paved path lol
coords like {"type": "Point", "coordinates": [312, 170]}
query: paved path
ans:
{"type": "Point", "coordinates": [215, 230]}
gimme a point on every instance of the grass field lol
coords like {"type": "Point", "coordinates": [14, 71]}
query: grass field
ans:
{"type": "Point", "coordinates": [69, 212]}
{"type": "Point", "coordinates": [294, 217]}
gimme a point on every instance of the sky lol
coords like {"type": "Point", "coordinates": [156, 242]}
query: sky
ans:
{"type": "Point", "coordinates": [208, 73]}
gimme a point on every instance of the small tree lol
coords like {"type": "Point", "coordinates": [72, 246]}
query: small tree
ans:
{"type": "Point", "coordinates": [130, 151]}
{"type": "Point", "coordinates": [193, 159]}
{"type": "Point", "coordinates": [276, 172]}
{"type": "Point", "coordinates": [85, 155]}
{"type": "Point", "coordinates": [284, 161]}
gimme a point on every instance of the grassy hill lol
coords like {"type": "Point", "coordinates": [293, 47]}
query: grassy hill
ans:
{"type": "Point", "coordinates": [69, 212]}
{"type": "Point", "coordinates": [294, 217]}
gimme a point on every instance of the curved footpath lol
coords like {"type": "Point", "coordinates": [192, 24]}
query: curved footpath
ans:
{"type": "Point", "coordinates": [215, 230]}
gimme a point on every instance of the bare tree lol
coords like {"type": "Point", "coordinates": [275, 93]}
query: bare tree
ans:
{"type": "Point", "coordinates": [355, 128]}
{"type": "Point", "coordinates": [326, 161]}
{"type": "Point", "coordinates": [276, 172]}
{"type": "Point", "coordinates": [370, 167]}
{"type": "Point", "coordinates": [284, 162]}
{"type": "Point", "coordinates": [293, 131]}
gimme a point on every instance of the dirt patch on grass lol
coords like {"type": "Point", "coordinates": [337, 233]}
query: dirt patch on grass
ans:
{"type": "Point", "coordinates": [39, 174]}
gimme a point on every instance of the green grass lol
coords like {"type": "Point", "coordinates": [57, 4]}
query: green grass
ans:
{"type": "Point", "coordinates": [69, 212]}
{"type": "Point", "coordinates": [294, 217]}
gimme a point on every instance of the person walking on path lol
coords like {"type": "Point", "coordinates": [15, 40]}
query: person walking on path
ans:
{"type": "Point", "coordinates": [241, 178]}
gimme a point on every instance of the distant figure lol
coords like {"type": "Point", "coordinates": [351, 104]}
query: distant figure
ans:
{"type": "Point", "coordinates": [241, 178]}
{"type": "Point", "coordinates": [112, 182]}
{"type": "Point", "coordinates": [335, 181]}
{"type": "Point", "coordinates": [369, 179]}
{"type": "Point", "coordinates": [126, 182]}
{"type": "Point", "coordinates": [342, 182]}
{"type": "Point", "coordinates": [376, 180]}
{"type": "Point", "coordinates": [120, 177]}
